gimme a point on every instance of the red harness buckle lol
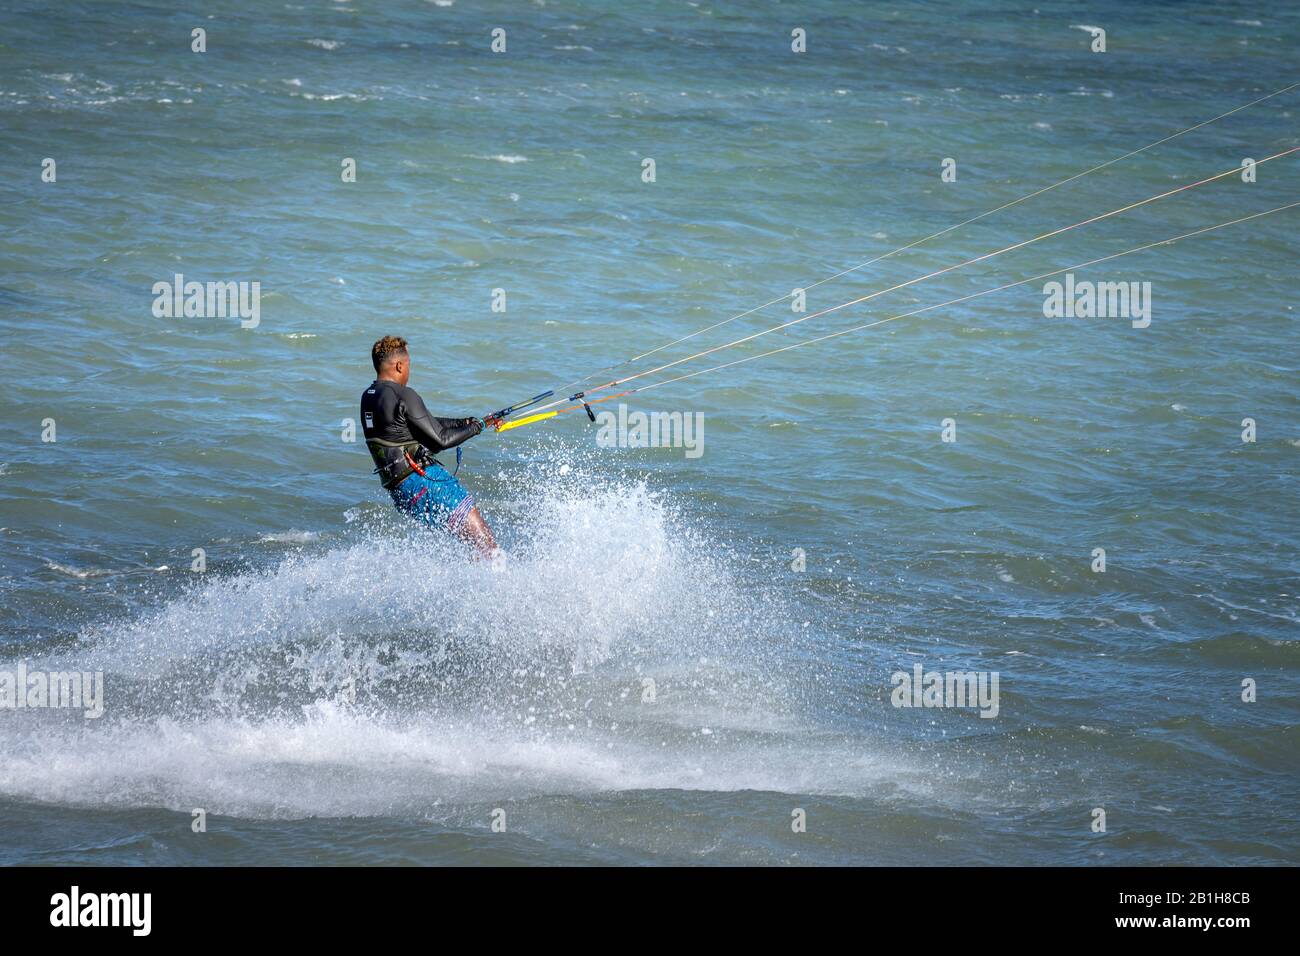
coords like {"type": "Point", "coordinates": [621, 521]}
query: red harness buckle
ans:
{"type": "Point", "coordinates": [411, 461]}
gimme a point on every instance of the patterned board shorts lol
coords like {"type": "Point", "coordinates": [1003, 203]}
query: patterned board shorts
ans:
{"type": "Point", "coordinates": [435, 498]}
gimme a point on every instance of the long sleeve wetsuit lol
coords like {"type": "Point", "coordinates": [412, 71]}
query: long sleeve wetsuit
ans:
{"type": "Point", "coordinates": [398, 427]}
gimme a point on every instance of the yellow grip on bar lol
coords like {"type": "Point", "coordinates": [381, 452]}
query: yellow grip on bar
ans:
{"type": "Point", "coordinates": [506, 426]}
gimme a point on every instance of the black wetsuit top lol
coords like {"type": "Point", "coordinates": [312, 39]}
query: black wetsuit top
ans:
{"type": "Point", "coordinates": [397, 425]}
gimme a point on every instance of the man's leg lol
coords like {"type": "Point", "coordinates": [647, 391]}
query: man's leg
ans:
{"type": "Point", "coordinates": [475, 531]}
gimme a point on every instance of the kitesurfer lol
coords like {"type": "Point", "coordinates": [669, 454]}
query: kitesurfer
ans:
{"type": "Point", "coordinates": [403, 438]}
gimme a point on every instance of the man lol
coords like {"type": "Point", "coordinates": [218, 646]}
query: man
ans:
{"type": "Point", "coordinates": [403, 438]}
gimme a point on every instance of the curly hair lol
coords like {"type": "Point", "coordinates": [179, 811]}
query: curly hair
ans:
{"type": "Point", "coordinates": [386, 349]}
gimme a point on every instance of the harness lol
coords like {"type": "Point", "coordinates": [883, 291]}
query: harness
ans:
{"type": "Point", "coordinates": [397, 461]}
{"type": "Point", "coordinates": [415, 466]}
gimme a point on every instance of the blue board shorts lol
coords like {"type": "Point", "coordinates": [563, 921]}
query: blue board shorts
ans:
{"type": "Point", "coordinates": [435, 498]}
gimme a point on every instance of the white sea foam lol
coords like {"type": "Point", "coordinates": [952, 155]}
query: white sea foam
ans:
{"type": "Point", "coordinates": [76, 572]}
{"type": "Point", "coordinates": [290, 537]}
{"type": "Point", "coordinates": [391, 674]}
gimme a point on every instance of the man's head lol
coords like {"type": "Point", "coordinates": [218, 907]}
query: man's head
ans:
{"type": "Point", "coordinates": [391, 359]}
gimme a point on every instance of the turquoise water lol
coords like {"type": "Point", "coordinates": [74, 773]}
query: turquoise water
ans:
{"type": "Point", "coordinates": [339, 688]}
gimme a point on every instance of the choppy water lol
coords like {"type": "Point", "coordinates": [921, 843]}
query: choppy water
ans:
{"type": "Point", "coordinates": [337, 688]}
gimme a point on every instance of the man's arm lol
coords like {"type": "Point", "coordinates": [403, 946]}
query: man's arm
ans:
{"type": "Point", "coordinates": [437, 434]}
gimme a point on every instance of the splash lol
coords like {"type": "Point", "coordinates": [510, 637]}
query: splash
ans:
{"type": "Point", "coordinates": [616, 648]}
